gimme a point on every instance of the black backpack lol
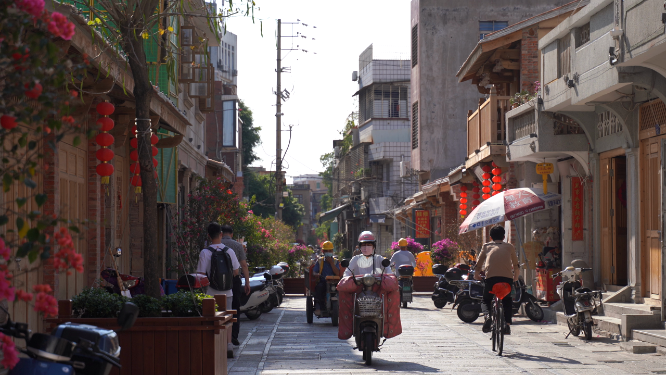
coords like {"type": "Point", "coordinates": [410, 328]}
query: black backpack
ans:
{"type": "Point", "coordinates": [221, 270]}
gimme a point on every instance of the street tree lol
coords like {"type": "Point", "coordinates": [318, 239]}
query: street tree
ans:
{"type": "Point", "coordinates": [128, 26]}
{"type": "Point", "coordinates": [251, 137]}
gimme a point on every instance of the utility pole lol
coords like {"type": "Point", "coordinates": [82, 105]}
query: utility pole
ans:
{"type": "Point", "coordinates": [278, 126]}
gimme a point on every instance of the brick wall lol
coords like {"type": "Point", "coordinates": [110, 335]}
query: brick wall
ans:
{"type": "Point", "coordinates": [529, 59]}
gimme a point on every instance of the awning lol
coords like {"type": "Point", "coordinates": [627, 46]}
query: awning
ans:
{"type": "Point", "coordinates": [330, 215]}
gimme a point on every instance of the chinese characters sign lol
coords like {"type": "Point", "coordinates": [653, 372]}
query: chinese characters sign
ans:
{"type": "Point", "coordinates": [422, 220]}
{"type": "Point", "coordinates": [576, 209]}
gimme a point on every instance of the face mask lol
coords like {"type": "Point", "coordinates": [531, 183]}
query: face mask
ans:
{"type": "Point", "coordinates": [328, 254]}
{"type": "Point", "coordinates": [367, 250]}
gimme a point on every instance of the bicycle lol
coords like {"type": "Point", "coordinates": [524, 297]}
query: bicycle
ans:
{"type": "Point", "coordinates": [500, 290]}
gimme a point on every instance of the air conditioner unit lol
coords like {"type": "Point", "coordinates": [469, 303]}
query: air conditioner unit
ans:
{"type": "Point", "coordinates": [404, 169]}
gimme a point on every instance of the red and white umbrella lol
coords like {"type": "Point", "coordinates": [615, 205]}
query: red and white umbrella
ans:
{"type": "Point", "coordinates": [509, 205]}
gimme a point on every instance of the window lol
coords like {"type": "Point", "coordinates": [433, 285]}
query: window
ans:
{"type": "Point", "coordinates": [415, 45]}
{"type": "Point", "coordinates": [415, 125]}
{"type": "Point", "coordinates": [228, 123]}
{"type": "Point", "coordinates": [318, 185]}
{"type": "Point", "coordinates": [582, 35]}
{"type": "Point", "coordinates": [299, 198]}
{"type": "Point", "coordinates": [487, 27]}
{"type": "Point", "coordinates": [390, 101]}
{"type": "Point", "coordinates": [564, 56]}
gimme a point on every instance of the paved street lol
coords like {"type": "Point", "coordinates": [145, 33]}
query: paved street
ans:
{"type": "Point", "coordinates": [433, 341]}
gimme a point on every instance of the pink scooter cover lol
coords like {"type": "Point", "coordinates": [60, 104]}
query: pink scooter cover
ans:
{"type": "Point", "coordinates": [389, 292]}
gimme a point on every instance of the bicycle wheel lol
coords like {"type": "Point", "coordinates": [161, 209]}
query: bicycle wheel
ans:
{"type": "Point", "coordinates": [493, 330]}
{"type": "Point", "coordinates": [500, 326]}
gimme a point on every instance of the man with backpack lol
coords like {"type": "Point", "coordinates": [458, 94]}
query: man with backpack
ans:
{"type": "Point", "coordinates": [227, 240]}
{"type": "Point", "coordinates": [221, 265]}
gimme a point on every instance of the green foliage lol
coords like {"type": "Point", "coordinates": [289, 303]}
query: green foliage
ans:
{"type": "Point", "coordinates": [323, 230]}
{"type": "Point", "coordinates": [97, 303]}
{"type": "Point", "coordinates": [148, 306]}
{"type": "Point", "coordinates": [184, 304]}
{"type": "Point", "coordinates": [262, 190]}
{"type": "Point", "coordinates": [251, 136]}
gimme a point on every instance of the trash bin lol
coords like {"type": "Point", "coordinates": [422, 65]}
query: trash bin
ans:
{"type": "Point", "coordinates": [169, 286]}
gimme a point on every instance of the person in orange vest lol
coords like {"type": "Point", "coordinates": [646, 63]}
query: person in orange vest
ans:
{"type": "Point", "coordinates": [326, 266]}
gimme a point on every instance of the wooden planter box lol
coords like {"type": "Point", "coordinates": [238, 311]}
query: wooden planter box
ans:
{"type": "Point", "coordinates": [167, 345]}
{"type": "Point", "coordinates": [294, 285]}
{"type": "Point", "coordinates": [424, 283]}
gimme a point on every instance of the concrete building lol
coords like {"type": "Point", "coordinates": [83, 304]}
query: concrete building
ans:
{"type": "Point", "coordinates": [443, 32]}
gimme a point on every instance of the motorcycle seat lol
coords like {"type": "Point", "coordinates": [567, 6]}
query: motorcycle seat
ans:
{"type": "Point", "coordinates": [254, 288]}
{"type": "Point", "coordinates": [332, 277]}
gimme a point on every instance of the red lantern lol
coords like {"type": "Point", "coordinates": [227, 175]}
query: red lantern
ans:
{"type": "Point", "coordinates": [497, 179]}
{"type": "Point", "coordinates": [497, 187]}
{"type": "Point", "coordinates": [463, 188]}
{"type": "Point", "coordinates": [154, 139]}
{"type": "Point", "coordinates": [497, 171]}
{"type": "Point", "coordinates": [133, 130]}
{"type": "Point", "coordinates": [104, 154]}
{"type": "Point", "coordinates": [134, 143]}
{"type": "Point", "coordinates": [463, 212]}
{"type": "Point", "coordinates": [136, 182]}
{"type": "Point", "coordinates": [486, 182]}
{"type": "Point", "coordinates": [496, 192]}
{"type": "Point", "coordinates": [486, 196]}
{"type": "Point", "coordinates": [463, 194]}
{"type": "Point", "coordinates": [463, 206]}
{"type": "Point", "coordinates": [476, 196]}
{"type": "Point", "coordinates": [155, 150]}
{"type": "Point", "coordinates": [486, 168]}
{"type": "Point", "coordinates": [105, 123]}
{"type": "Point", "coordinates": [155, 162]}
{"type": "Point", "coordinates": [475, 183]}
{"type": "Point", "coordinates": [476, 189]}
{"type": "Point", "coordinates": [486, 176]}
{"type": "Point", "coordinates": [104, 139]}
{"type": "Point", "coordinates": [104, 170]}
{"type": "Point", "coordinates": [476, 202]}
{"type": "Point", "coordinates": [135, 168]}
{"type": "Point", "coordinates": [134, 155]}
{"type": "Point", "coordinates": [105, 108]}
{"type": "Point", "coordinates": [463, 200]}
{"type": "Point", "coordinates": [486, 190]}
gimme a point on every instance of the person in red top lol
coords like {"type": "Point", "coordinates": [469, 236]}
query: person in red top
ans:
{"type": "Point", "coordinates": [499, 261]}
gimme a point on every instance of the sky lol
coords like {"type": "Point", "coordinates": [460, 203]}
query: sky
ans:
{"type": "Point", "coordinates": [320, 80]}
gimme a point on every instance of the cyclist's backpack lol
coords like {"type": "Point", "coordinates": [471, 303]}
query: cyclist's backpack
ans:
{"type": "Point", "coordinates": [221, 272]}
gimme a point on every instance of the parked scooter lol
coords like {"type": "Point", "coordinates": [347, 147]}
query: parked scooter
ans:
{"type": "Point", "coordinates": [469, 296]}
{"type": "Point", "coordinates": [444, 292]}
{"type": "Point", "coordinates": [368, 313]}
{"type": "Point", "coordinates": [405, 274]}
{"type": "Point", "coordinates": [579, 302]}
{"type": "Point", "coordinates": [522, 297]}
{"type": "Point", "coordinates": [252, 304]}
{"type": "Point", "coordinates": [78, 349]}
{"type": "Point", "coordinates": [274, 285]}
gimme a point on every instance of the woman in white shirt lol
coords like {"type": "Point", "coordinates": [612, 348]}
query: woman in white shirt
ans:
{"type": "Point", "coordinates": [368, 261]}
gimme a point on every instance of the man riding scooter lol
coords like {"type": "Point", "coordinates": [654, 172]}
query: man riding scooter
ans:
{"type": "Point", "coordinates": [325, 266]}
{"type": "Point", "coordinates": [369, 299]}
{"type": "Point", "coordinates": [403, 264]}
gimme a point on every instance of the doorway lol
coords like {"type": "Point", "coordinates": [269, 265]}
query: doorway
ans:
{"type": "Point", "coordinates": [613, 202]}
{"type": "Point", "coordinates": [651, 215]}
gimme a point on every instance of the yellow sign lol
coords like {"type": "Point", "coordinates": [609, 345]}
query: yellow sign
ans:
{"type": "Point", "coordinates": [544, 169]}
{"type": "Point", "coordinates": [423, 264]}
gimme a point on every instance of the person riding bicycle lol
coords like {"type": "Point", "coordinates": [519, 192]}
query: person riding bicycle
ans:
{"type": "Point", "coordinates": [402, 256]}
{"type": "Point", "coordinates": [325, 266]}
{"type": "Point", "coordinates": [368, 261]}
{"type": "Point", "coordinates": [499, 261]}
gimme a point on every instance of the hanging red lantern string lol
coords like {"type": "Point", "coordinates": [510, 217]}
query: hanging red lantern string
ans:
{"type": "Point", "coordinates": [463, 200]}
{"type": "Point", "coordinates": [497, 186]}
{"type": "Point", "coordinates": [486, 181]}
{"type": "Point", "coordinates": [104, 139]}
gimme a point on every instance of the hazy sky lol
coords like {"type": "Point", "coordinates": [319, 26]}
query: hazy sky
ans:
{"type": "Point", "coordinates": [320, 84]}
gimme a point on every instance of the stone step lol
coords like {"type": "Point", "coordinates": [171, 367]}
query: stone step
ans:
{"type": "Point", "coordinates": [616, 310]}
{"type": "Point", "coordinates": [653, 336]}
{"type": "Point", "coordinates": [608, 324]}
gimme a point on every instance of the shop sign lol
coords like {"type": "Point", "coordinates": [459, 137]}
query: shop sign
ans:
{"type": "Point", "coordinates": [422, 220]}
{"type": "Point", "coordinates": [576, 209]}
{"type": "Point", "coordinates": [544, 169]}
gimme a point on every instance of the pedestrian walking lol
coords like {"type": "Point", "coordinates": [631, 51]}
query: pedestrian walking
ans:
{"type": "Point", "coordinates": [227, 240]}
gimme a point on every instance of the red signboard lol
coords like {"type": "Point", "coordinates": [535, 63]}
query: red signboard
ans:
{"type": "Point", "coordinates": [576, 209]}
{"type": "Point", "coordinates": [422, 220]}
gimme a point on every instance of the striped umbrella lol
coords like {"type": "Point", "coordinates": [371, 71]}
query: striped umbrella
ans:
{"type": "Point", "coordinates": [509, 205]}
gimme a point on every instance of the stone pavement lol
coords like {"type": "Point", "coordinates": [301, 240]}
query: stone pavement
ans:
{"type": "Point", "coordinates": [433, 341]}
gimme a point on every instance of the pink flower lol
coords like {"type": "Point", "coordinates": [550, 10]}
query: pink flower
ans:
{"type": "Point", "coordinates": [6, 291]}
{"type": "Point", "coordinates": [5, 251]}
{"type": "Point", "coordinates": [60, 26]}
{"type": "Point", "coordinates": [32, 7]}
{"type": "Point", "coordinates": [22, 295]}
{"type": "Point", "coordinates": [47, 304]}
{"type": "Point", "coordinates": [9, 352]}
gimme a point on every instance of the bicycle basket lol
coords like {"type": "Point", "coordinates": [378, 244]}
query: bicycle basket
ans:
{"type": "Point", "coordinates": [369, 306]}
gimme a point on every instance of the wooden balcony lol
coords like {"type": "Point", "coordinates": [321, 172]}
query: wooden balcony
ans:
{"type": "Point", "coordinates": [486, 126]}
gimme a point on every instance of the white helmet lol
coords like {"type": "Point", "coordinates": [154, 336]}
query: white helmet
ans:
{"type": "Point", "coordinates": [276, 270]}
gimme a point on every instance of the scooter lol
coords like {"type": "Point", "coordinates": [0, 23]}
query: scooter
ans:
{"type": "Point", "coordinates": [252, 304]}
{"type": "Point", "coordinates": [368, 313]}
{"type": "Point", "coordinates": [444, 292]}
{"type": "Point", "coordinates": [78, 349]}
{"type": "Point", "coordinates": [327, 309]}
{"type": "Point", "coordinates": [579, 302]}
{"type": "Point", "coordinates": [405, 273]}
{"type": "Point", "coordinates": [274, 285]}
{"type": "Point", "coordinates": [522, 297]}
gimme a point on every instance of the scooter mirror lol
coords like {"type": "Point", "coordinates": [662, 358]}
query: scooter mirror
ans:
{"type": "Point", "coordinates": [128, 315]}
{"type": "Point", "coordinates": [345, 263]}
{"type": "Point", "coordinates": [386, 263]}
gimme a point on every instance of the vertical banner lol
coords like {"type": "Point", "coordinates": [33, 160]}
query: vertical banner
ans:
{"type": "Point", "coordinates": [422, 220]}
{"type": "Point", "coordinates": [576, 209]}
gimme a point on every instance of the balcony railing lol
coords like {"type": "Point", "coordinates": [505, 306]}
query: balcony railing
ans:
{"type": "Point", "coordinates": [522, 126]}
{"type": "Point", "coordinates": [487, 123]}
